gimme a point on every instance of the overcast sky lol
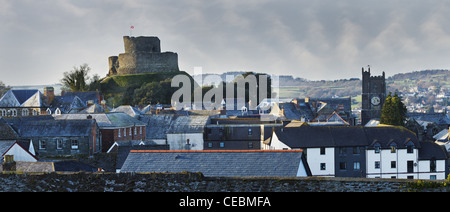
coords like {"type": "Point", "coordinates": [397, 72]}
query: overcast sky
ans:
{"type": "Point", "coordinates": [320, 39]}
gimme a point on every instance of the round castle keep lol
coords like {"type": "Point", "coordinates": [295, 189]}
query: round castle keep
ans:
{"type": "Point", "coordinates": [142, 55]}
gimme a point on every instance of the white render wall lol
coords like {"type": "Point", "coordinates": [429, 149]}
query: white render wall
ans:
{"type": "Point", "coordinates": [20, 154]}
{"type": "Point", "coordinates": [178, 141]}
{"type": "Point", "coordinates": [424, 170]}
{"type": "Point", "coordinates": [315, 159]}
{"type": "Point", "coordinates": [421, 169]}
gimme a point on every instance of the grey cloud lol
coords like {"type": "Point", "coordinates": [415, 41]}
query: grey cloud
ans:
{"type": "Point", "coordinates": [321, 39]}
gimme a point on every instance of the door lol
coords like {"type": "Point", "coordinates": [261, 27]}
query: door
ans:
{"type": "Point", "coordinates": [410, 166]}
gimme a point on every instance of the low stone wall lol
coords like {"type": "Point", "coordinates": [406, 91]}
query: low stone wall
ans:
{"type": "Point", "coordinates": [196, 182]}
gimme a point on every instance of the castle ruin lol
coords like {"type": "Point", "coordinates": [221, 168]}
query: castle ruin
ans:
{"type": "Point", "coordinates": [142, 55]}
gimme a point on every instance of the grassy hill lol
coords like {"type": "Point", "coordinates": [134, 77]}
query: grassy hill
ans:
{"type": "Point", "coordinates": [119, 90]}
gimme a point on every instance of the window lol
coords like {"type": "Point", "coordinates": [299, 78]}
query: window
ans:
{"type": "Point", "coordinates": [356, 150]}
{"type": "Point", "coordinates": [250, 145]}
{"type": "Point", "coordinates": [249, 131]}
{"type": "Point", "coordinates": [377, 148]}
{"type": "Point", "coordinates": [59, 144]}
{"type": "Point", "coordinates": [25, 112]}
{"type": "Point", "coordinates": [129, 132]}
{"type": "Point", "coordinates": [210, 144]}
{"type": "Point", "coordinates": [322, 150]}
{"type": "Point", "coordinates": [410, 148]}
{"type": "Point", "coordinates": [432, 177]}
{"type": "Point", "coordinates": [135, 131]}
{"type": "Point", "coordinates": [34, 112]}
{"type": "Point", "coordinates": [323, 166]}
{"type": "Point", "coordinates": [2, 112]}
{"type": "Point", "coordinates": [393, 164]}
{"type": "Point", "coordinates": [74, 144]}
{"type": "Point", "coordinates": [42, 144]}
{"type": "Point", "coordinates": [342, 165]}
{"type": "Point", "coordinates": [393, 147]}
{"type": "Point", "coordinates": [124, 132]}
{"type": "Point", "coordinates": [377, 164]}
{"type": "Point", "coordinates": [221, 144]}
{"type": "Point", "coordinates": [356, 165]}
{"type": "Point", "coordinates": [410, 166]}
{"type": "Point", "coordinates": [140, 130]}
{"type": "Point", "coordinates": [432, 165]}
{"type": "Point", "coordinates": [118, 135]}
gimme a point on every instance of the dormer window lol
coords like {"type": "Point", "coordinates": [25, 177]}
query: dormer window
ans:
{"type": "Point", "coordinates": [410, 147]}
{"type": "Point", "coordinates": [377, 147]}
{"type": "Point", "coordinates": [393, 147]}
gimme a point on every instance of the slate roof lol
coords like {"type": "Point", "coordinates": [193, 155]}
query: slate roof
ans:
{"type": "Point", "coordinates": [94, 108]}
{"type": "Point", "coordinates": [22, 98]}
{"type": "Point", "coordinates": [443, 136]}
{"type": "Point", "coordinates": [5, 145]}
{"type": "Point", "coordinates": [124, 147]}
{"type": "Point", "coordinates": [85, 96]}
{"type": "Point", "coordinates": [431, 151]}
{"type": "Point", "coordinates": [129, 110]}
{"type": "Point", "coordinates": [68, 104]}
{"type": "Point", "coordinates": [29, 129]}
{"type": "Point", "coordinates": [256, 163]}
{"type": "Point", "coordinates": [105, 120]}
{"type": "Point", "coordinates": [387, 134]}
{"type": "Point", "coordinates": [6, 131]}
{"type": "Point", "coordinates": [159, 125]}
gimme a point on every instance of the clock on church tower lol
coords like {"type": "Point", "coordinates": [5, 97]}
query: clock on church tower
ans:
{"type": "Point", "coordinates": [373, 96]}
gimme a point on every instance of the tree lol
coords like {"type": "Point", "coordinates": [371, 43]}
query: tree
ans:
{"type": "Point", "coordinates": [76, 79]}
{"type": "Point", "coordinates": [394, 111]}
{"type": "Point", "coordinates": [154, 92]}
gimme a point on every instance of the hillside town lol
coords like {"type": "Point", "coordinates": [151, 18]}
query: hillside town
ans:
{"type": "Point", "coordinates": [44, 131]}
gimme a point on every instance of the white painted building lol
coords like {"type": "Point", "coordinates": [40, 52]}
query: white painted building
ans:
{"type": "Point", "coordinates": [372, 152]}
{"type": "Point", "coordinates": [392, 161]}
{"type": "Point", "coordinates": [321, 161]}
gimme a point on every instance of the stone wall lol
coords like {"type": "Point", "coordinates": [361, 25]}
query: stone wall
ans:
{"type": "Point", "coordinates": [196, 182]}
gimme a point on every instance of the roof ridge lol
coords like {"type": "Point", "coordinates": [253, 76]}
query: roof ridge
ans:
{"type": "Point", "coordinates": [210, 151]}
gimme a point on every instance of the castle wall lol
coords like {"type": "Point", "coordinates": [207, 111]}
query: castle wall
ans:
{"type": "Point", "coordinates": [144, 62]}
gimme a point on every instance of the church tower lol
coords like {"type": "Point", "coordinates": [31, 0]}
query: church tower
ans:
{"type": "Point", "coordinates": [373, 96]}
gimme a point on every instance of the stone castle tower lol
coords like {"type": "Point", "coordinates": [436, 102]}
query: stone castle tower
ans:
{"type": "Point", "coordinates": [373, 96]}
{"type": "Point", "coordinates": [142, 55]}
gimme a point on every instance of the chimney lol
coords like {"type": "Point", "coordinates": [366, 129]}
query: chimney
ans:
{"type": "Point", "coordinates": [49, 93]}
